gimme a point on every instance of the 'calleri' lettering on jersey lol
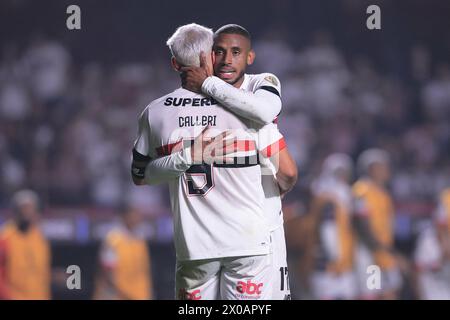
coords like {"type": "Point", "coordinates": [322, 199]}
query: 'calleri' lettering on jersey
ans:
{"type": "Point", "coordinates": [191, 102]}
{"type": "Point", "coordinates": [191, 121]}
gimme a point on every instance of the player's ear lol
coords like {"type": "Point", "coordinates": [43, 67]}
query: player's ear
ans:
{"type": "Point", "coordinates": [175, 64]}
{"type": "Point", "coordinates": [213, 57]}
{"type": "Point", "coordinates": [251, 57]}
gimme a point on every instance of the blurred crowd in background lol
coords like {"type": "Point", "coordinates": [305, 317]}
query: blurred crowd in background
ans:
{"type": "Point", "coordinates": [67, 126]}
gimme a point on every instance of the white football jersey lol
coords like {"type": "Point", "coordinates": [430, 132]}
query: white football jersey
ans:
{"type": "Point", "coordinates": [218, 209]}
{"type": "Point", "coordinates": [272, 200]}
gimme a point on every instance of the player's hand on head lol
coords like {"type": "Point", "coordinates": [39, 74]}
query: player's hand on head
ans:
{"type": "Point", "coordinates": [192, 78]}
{"type": "Point", "coordinates": [203, 64]}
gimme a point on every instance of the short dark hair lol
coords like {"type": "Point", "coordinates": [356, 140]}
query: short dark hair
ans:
{"type": "Point", "coordinates": [233, 29]}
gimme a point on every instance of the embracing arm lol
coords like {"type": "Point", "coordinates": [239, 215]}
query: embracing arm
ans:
{"type": "Point", "coordinates": [262, 106]}
{"type": "Point", "coordinates": [167, 167]}
{"type": "Point", "coordinates": [204, 149]}
{"type": "Point", "coordinates": [287, 172]}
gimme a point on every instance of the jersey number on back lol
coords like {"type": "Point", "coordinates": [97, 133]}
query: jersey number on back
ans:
{"type": "Point", "coordinates": [194, 174]}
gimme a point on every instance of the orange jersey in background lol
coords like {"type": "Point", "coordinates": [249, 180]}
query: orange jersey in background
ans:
{"type": "Point", "coordinates": [127, 258]}
{"type": "Point", "coordinates": [376, 205]}
{"type": "Point", "coordinates": [345, 240]}
{"type": "Point", "coordinates": [25, 263]}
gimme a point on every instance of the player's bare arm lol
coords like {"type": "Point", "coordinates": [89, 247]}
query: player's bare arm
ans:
{"type": "Point", "coordinates": [287, 173]}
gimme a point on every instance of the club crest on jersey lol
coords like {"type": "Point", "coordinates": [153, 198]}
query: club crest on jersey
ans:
{"type": "Point", "coordinates": [272, 80]}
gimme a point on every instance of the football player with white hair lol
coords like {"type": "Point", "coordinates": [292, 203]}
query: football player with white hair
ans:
{"type": "Point", "coordinates": [222, 232]}
{"type": "Point", "coordinates": [332, 236]}
{"type": "Point", "coordinates": [186, 42]}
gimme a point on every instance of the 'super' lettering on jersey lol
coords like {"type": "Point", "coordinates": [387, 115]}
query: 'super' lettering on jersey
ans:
{"type": "Point", "coordinates": [191, 102]}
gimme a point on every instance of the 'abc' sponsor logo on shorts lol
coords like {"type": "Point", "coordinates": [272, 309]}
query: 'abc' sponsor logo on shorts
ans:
{"type": "Point", "coordinates": [249, 290]}
{"type": "Point", "coordinates": [183, 294]}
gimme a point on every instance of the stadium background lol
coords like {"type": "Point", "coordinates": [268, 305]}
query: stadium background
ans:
{"type": "Point", "coordinates": [69, 101]}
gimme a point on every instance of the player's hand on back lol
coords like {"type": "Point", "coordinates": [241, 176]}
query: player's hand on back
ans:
{"type": "Point", "coordinates": [192, 78]}
{"type": "Point", "coordinates": [208, 149]}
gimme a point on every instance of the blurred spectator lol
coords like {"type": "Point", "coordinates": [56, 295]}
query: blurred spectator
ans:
{"type": "Point", "coordinates": [436, 94]}
{"type": "Point", "coordinates": [374, 218]}
{"type": "Point", "coordinates": [332, 232]}
{"type": "Point", "coordinates": [46, 66]}
{"type": "Point", "coordinates": [24, 252]}
{"type": "Point", "coordinates": [124, 272]}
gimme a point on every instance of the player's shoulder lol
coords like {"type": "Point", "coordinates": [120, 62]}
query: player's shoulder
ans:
{"type": "Point", "coordinates": [169, 99]}
{"type": "Point", "coordinates": [160, 101]}
{"type": "Point", "coordinates": [267, 81]}
{"type": "Point", "coordinates": [266, 77]}
{"type": "Point", "coordinates": [154, 105]}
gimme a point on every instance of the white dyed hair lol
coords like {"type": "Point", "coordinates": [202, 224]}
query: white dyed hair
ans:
{"type": "Point", "coordinates": [188, 41]}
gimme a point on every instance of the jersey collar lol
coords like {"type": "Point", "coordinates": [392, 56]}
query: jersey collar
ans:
{"type": "Point", "coordinates": [244, 83]}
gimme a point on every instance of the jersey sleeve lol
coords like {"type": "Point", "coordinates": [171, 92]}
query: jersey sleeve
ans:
{"type": "Point", "coordinates": [142, 142]}
{"type": "Point", "coordinates": [268, 82]}
{"type": "Point", "coordinates": [262, 106]}
{"type": "Point", "coordinates": [168, 167]}
{"type": "Point", "coordinates": [144, 147]}
{"type": "Point", "coordinates": [270, 140]}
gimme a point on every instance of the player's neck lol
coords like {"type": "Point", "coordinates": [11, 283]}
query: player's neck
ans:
{"type": "Point", "coordinates": [239, 83]}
